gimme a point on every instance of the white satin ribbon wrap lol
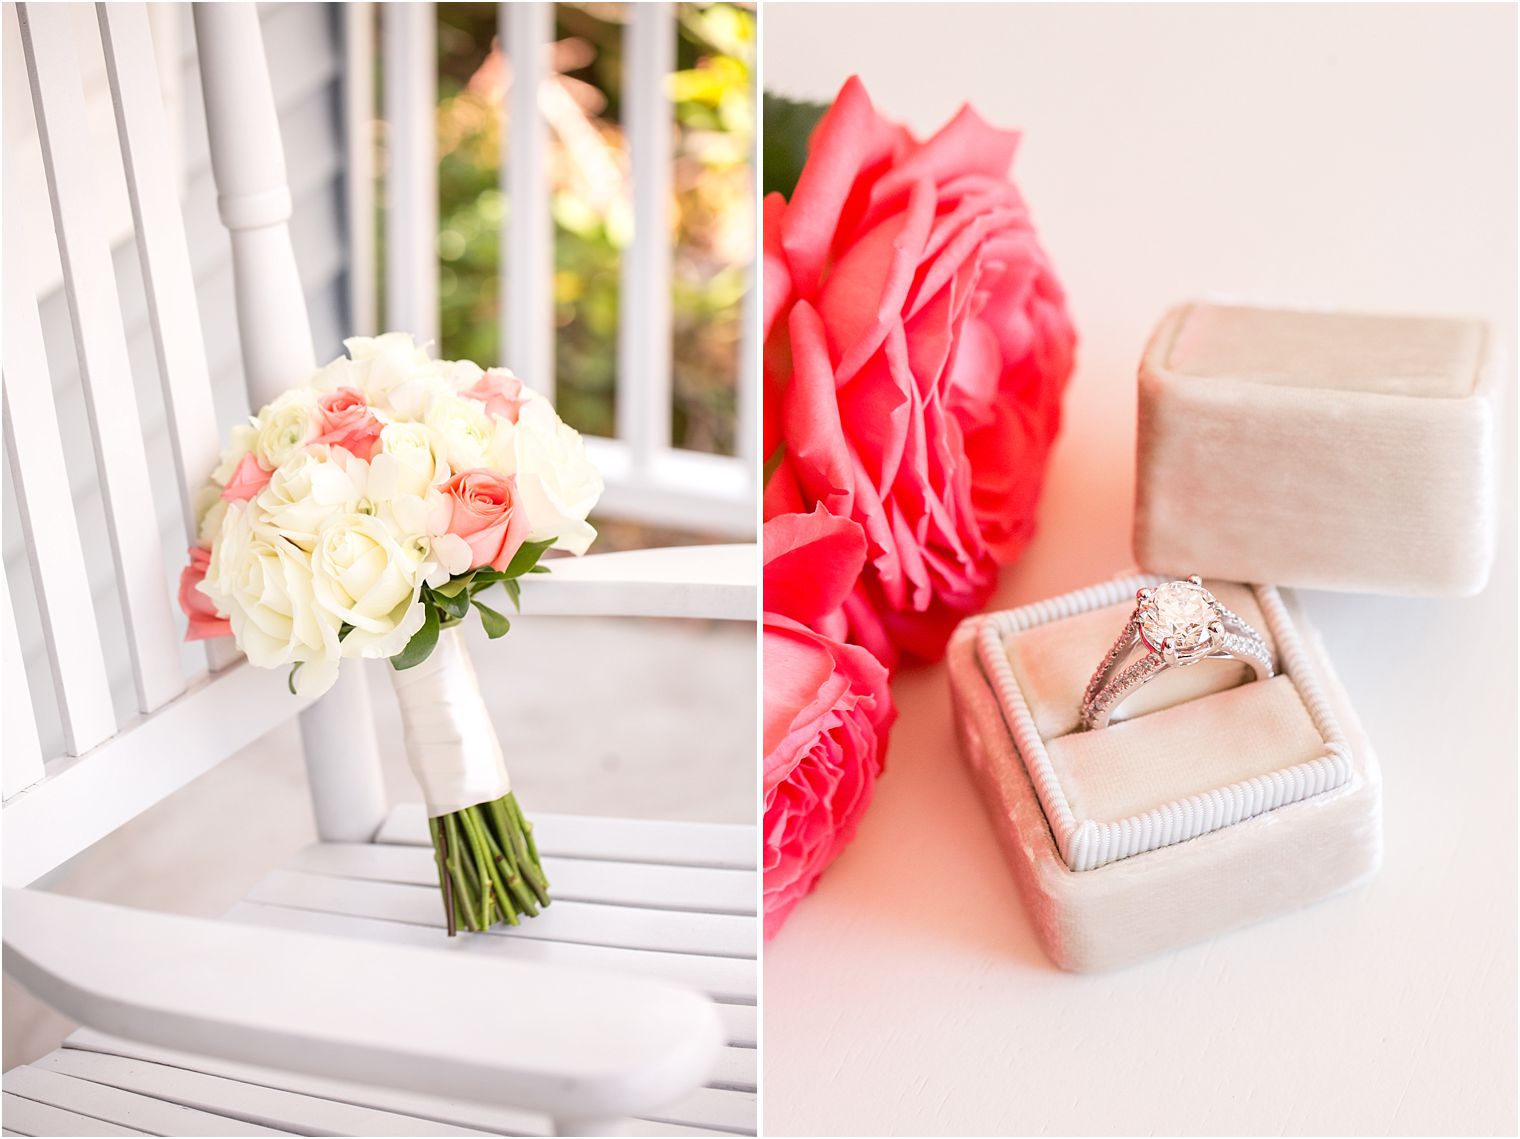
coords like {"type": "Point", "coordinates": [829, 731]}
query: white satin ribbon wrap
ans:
{"type": "Point", "coordinates": [450, 742]}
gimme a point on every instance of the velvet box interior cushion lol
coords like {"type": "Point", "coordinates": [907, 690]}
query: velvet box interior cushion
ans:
{"type": "Point", "coordinates": [1212, 741]}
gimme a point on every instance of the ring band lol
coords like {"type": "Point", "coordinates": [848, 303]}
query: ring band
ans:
{"type": "Point", "coordinates": [1174, 625]}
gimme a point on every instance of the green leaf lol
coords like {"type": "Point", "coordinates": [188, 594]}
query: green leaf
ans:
{"type": "Point", "coordinates": [290, 681]}
{"type": "Point", "coordinates": [527, 557]}
{"type": "Point", "coordinates": [494, 623]}
{"type": "Point", "coordinates": [422, 642]}
{"type": "Point", "coordinates": [454, 586]}
{"type": "Point", "coordinates": [514, 591]}
{"type": "Point", "coordinates": [539, 569]}
{"type": "Point", "coordinates": [788, 127]}
{"type": "Point", "coordinates": [455, 605]}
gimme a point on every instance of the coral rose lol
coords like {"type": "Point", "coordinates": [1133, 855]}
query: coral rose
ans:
{"type": "Point", "coordinates": [248, 478]}
{"type": "Point", "coordinates": [501, 392]}
{"type": "Point", "coordinates": [346, 421]}
{"type": "Point", "coordinates": [827, 706]}
{"type": "Point", "coordinates": [484, 512]}
{"type": "Point", "coordinates": [205, 621]}
{"type": "Point", "coordinates": [917, 343]}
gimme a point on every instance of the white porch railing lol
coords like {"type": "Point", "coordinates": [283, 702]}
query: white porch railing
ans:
{"type": "Point", "coordinates": [648, 478]}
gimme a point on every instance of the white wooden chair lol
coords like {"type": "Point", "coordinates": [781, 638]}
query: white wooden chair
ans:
{"type": "Point", "coordinates": [328, 1002]}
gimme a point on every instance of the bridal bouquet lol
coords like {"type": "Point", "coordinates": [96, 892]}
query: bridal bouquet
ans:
{"type": "Point", "coordinates": [363, 513]}
{"type": "Point", "coordinates": [916, 346]}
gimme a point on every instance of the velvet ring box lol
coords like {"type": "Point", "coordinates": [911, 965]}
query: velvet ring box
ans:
{"type": "Point", "coordinates": [1327, 450]}
{"type": "Point", "coordinates": [1215, 802]}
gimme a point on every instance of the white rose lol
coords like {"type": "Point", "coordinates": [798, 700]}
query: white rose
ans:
{"type": "Point", "coordinates": [395, 374]}
{"type": "Point", "coordinates": [284, 427]}
{"type": "Point", "coordinates": [304, 493]}
{"type": "Point", "coordinates": [339, 373]}
{"type": "Point", "coordinates": [409, 460]}
{"type": "Point", "coordinates": [367, 575]}
{"type": "Point", "coordinates": [469, 435]}
{"type": "Point", "coordinates": [264, 585]}
{"type": "Point", "coordinates": [459, 374]}
{"type": "Point", "coordinates": [557, 483]}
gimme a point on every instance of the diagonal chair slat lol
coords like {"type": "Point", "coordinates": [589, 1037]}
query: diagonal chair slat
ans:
{"type": "Point", "coordinates": [47, 37]}
{"type": "Point", "coordinates": [23, 748]}
{"type": "Point", "coordinates": [168, 278]}
{"type": "Point", "coordinates": [35, 447]}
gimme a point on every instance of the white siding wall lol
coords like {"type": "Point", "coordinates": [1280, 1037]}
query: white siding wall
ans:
{"type": "Point", "coordinates": [305, 50]}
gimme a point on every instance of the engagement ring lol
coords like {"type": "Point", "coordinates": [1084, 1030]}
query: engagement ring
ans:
{"type": "Point", "coordinates": [1174, 625]}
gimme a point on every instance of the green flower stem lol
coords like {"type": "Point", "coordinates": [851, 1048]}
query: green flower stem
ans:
{"type": "Point", "coordinates": [488, 866]}
{"type": "Point", "coordinates": [460, 866]}
{"type": "Point", "coordinates": [470, 816]}
{"type": "Point", "coordinates": [509, 822]}
{"type": "Point", "coordinates": [506, 867]}
{"type": "Point", "coordinates": [440, 856]}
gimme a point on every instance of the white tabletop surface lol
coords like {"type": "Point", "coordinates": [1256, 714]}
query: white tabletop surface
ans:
{"type": "Point", "coordinates": [1362, 157]}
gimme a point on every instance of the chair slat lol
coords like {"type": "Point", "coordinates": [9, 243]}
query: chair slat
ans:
{"type": "Point", "coordinates": [33, 1118]}
{"type": "Point", "coordinates": [713, 935]}
{"type": "Point", "coordinates": [168, 279]}
{"type": "Point", "coordinates": [731, 846]}
{"type": "Point", "coordinates": [644, 328]}
{"type": "Point", "coordinates": [718, 1108]}
{"type": "Point", "coordinates": [527, 29]}
{"type": "Point", "coordinates": [35, 446]}
{"type": "Point", "coordinates": [83, 800]}
{"type": "Point", "coordinates": [127, 1109]}
{"type": "Point", "coordinates": [475, 1118]}
{"type": "Point", "coordinates": [160, 230]}
{"type": "Point", "coordinates": [237, 1099]}
{"type": "Point", "coordinates": [722, 978]}
{"type": "Point", "coordinates": [23, 748]}
{"type": "Point", "coordinates": [47, 35]}
{"type": "Point", "coordinates": [696, 888]}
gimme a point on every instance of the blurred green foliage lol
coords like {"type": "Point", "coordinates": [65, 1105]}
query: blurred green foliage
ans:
{"type": "Point", "coordinates": [712, 233]}
{"type": "Point", "coordinates": [789, 126]}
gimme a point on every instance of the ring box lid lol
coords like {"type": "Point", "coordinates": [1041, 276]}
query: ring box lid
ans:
{"type": "Point", "coordinates": [1327, 450]}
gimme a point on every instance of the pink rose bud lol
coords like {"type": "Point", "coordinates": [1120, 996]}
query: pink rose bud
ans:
{"type": "Point", "coordinates": [485, 512]}
{"type": "Point", "coordinates": [500, 391]}
{"type": "Point", "coordinates": [348, 422]}
{"type": "Point", "coordinates": [204, 619]}
{"type": "Point", "coordinates": [247, 480]}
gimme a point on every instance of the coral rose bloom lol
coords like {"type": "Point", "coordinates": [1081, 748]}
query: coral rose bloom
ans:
{"type": "Point", "coordinates": [348, 422]}
{"type": "Point", "coordinates": [205, 621]}
{"type": "Point", "coordinates": [827, 707]}
{"type": "Point", "coordinates": [484, 512]}
{"type": "Point", "coordinates": [917, 344]}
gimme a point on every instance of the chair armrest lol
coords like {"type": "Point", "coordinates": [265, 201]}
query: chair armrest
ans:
{"type": "Point", "coordinates": [679, 581]}
{"type": "Point", "coordinates": [569, 1042]}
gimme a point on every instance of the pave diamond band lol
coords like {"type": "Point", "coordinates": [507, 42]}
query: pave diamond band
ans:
{"type": "Point", "coordinates": [1173, 625]}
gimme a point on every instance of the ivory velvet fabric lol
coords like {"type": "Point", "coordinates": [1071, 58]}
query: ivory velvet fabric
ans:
{"type": "Point", "coordinates": [1136, 907]}
{"type": "Point", "coordinates": [1317, 449]}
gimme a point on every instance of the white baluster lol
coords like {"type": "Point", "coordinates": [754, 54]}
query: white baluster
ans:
{"type": "Point", "coordinates": [527, 263]}
{"type": "Point", "coordinates": [359, 164]}
{"type": "Point", "coordinates": [342, 753]}
{"type": "Point", "coordinates": [644, 329]}
{"type": "Point", "coordinates": [411, 173]}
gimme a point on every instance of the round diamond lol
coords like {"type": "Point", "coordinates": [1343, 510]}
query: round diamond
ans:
{"type": "Point", "coordinates": [1178, 609]}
